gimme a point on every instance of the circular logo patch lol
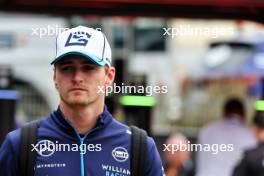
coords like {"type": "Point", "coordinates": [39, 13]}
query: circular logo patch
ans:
{"type": "Point", "coordinates": [45, 148]}
{"type": "Point", "coordinates": [120, 154]}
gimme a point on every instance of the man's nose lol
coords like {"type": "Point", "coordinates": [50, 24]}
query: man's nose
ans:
{"type": "Point", "coordinates": [78, 76]}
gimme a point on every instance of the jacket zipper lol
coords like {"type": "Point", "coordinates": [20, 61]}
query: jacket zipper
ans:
{"type": "Point", "coordinates": [81, 140]}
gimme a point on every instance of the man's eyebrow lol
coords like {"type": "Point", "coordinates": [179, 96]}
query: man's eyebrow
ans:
{"type": "Point", "coordinates": [65, 62]}
{"type": "Point", "coordinates": [85, 61]}
{"type": "Point", "coordinates": [71, 61]}
{"type": "Point", "coordinates": [88, 63]}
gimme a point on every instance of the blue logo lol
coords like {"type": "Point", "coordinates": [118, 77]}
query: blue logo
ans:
{"type": "Point", "coordinates": [120, 154]}
{"type": "Point", "coordinates": [78, 38]}
{"type": "Point", "coordinates": [44, 148]}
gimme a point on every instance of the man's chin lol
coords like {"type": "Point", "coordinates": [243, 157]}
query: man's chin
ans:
{"type": "Point", "coordinates": [77, 102]}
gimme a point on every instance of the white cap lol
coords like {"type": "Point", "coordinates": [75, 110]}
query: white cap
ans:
{"type": "Point", "coordinates": [87, 42]}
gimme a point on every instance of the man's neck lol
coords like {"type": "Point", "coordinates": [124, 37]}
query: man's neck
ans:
{"type": "Point", "coordinates": [83, 118]}
{"type": "Point", "coordinates": [233, 116]}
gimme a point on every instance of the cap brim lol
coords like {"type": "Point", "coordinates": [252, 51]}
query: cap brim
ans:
{"type": "Point", "coordinates": [94, 59]}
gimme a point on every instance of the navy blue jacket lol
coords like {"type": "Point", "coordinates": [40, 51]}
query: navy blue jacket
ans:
{"type": "Point", "coordinates": [103, 151]}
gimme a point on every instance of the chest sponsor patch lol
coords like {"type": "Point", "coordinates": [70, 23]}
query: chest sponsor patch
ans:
{"type": "Point", "coordinates": [120, 154]}
{"type": "Point", "coordinates": [115, 171]}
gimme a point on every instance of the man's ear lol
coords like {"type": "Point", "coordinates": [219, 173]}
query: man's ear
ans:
{"type": "Point", "coordinates": [54, 77]}
{"type": "Point", "coordinates": [110, 76]}
{"type": "Point", "coordinates": [255, 129]}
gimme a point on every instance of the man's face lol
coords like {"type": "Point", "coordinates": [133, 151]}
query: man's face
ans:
{"type": "Point", "coordinates": [78, 80]}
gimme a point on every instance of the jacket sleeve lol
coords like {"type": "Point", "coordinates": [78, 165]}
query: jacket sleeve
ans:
{"type": "Point", "coordinates": [241, 168]}
{"type": "Point", "coordinates": [8, 160]}
{"type": "Point", "coordinates": [154, 164]}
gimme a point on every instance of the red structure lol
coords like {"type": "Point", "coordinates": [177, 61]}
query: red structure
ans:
{"type": "Point", "coordinates": [222, 9]}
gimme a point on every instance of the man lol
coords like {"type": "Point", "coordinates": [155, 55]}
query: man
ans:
{"type": "Point", "coordinates": [178, 163]}
{"type": "Point", "coordinates": [230, 136]}
{"type": "Point", "coordinates": [86, 139]}
{"type": "Point", "coordinates": [253, 161]}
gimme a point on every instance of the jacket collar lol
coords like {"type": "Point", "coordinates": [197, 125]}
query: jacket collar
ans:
{"type": "Point", "coordinates": [58, 117]}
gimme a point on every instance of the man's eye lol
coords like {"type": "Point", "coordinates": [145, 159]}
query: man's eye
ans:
{"type": "Point", "coordinates": [67, 69]}
{"type": "Point", "coordinates": [88, 68]}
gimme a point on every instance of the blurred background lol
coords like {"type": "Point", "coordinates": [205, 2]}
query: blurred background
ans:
{"type": "Point", "coordinates": [203, 51]}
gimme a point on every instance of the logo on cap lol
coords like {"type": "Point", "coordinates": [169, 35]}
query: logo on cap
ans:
{"type": "Point", "coordinates": [78, 38]}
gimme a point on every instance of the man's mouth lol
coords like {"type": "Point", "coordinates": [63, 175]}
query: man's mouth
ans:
{"type": "Point", "coordinates": [77, 89]}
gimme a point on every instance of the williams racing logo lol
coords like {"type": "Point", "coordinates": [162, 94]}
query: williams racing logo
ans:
{"type": "Point", "coordinates": [78, 38]}
{"type": "Point", "coordinates": [115, 171]}
{"type": "Point", "coordinates": [120, 154]}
